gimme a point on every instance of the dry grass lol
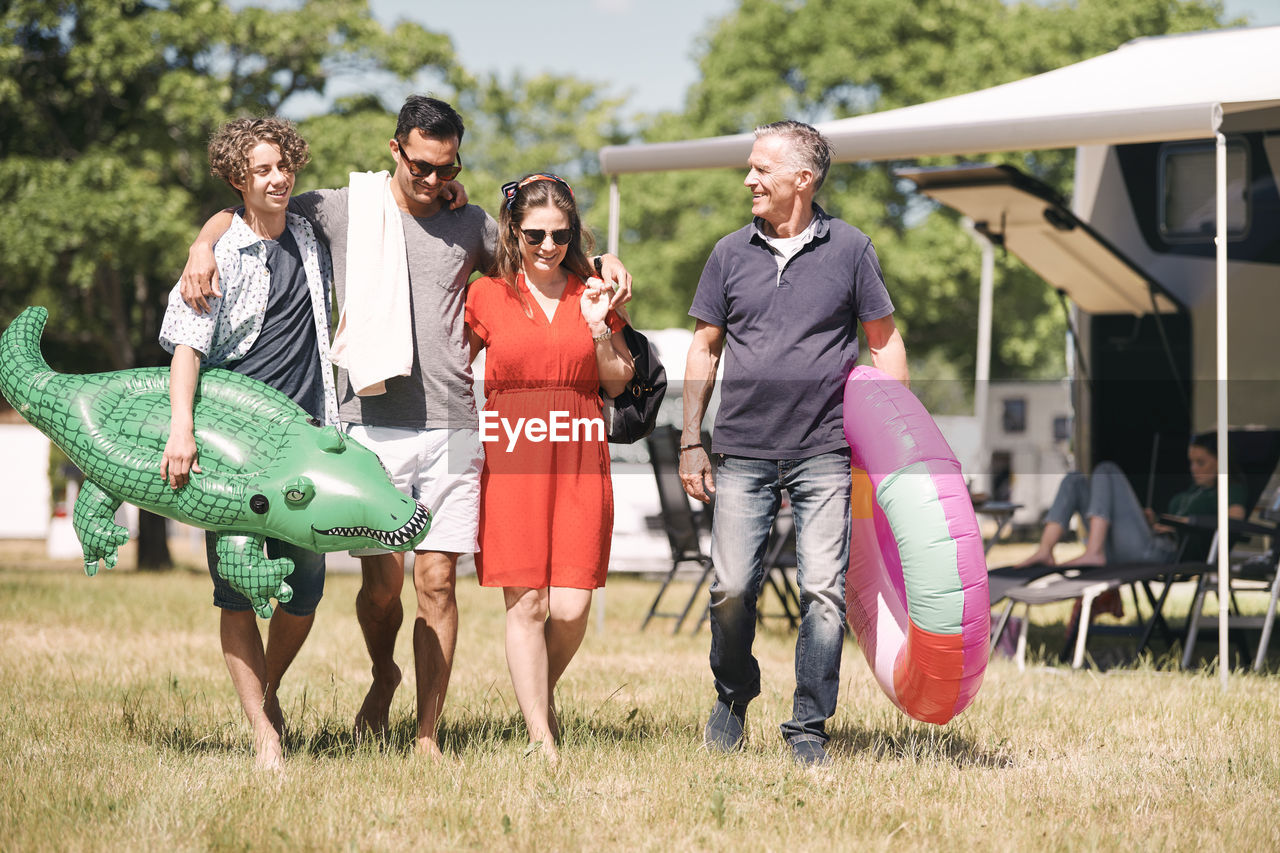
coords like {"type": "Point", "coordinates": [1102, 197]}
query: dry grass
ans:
{"type": "Point", "coordinates": [118, 730]}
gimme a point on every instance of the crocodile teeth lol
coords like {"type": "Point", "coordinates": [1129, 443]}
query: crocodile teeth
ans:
{"type": "Point", "coordinates": [411, 528]}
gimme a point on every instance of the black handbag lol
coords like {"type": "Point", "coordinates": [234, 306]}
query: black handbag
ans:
{"type": "Point", "coordinates": [632, 415]}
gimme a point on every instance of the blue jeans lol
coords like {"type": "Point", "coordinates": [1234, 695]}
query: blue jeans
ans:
{"type": "Point", "coordinates": [1107, 495]}
{"type": "Point", "coordinates": [748, 495]}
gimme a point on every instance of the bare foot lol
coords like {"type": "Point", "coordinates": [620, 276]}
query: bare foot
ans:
{"type": "Point", "coordinates": [1039, 558]}
{"type": "Point", "coordinates": [268, 754]}
{"type": "Point", "coordinates": [553, 720]}
{"type": "Point", "coordinates": [546, 748]}
{"type": "Point", "coordinates": [428, 748]}
{"type": "Point", "coordinates": [375, 711]}
{"type": "Point", "coordinates": [1086, 560]}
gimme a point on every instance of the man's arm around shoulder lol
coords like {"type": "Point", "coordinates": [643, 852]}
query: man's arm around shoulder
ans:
{"type": "Point", "coordinates": [200, 276]}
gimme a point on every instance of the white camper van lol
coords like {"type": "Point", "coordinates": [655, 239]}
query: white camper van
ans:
{"type": "Point", "coordinates": [1135, 251]}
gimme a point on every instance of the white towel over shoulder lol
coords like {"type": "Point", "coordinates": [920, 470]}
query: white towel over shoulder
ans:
{"type": "Point", "coordinates": [374, 341]}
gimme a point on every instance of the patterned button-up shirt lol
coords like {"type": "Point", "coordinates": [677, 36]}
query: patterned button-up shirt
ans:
{"type": "Point", "coordinates": [231, 327]}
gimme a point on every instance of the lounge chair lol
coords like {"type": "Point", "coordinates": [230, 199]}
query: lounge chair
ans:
{"type": "Point", "coordinates": [1253, 452]}
{"type": "Point", "coordinates": [1253, 575]}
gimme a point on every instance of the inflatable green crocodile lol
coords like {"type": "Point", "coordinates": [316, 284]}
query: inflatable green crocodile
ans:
{"type": "Point", "coordinates": [269, 470]}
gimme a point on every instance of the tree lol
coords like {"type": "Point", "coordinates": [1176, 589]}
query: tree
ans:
{"type": "Point", "coordinates": [108, 106]}
{"type": "Point", "coordinates": [824, 59]}
{"type": "Point", "coordinates": [549, 122]}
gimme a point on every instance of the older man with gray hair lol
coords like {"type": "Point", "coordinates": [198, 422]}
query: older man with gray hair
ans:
{"type": "Point", "coordinates": [784, 297]}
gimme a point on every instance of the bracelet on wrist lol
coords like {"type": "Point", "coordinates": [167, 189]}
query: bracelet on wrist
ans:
{"type": "Point", "coordinates": [603, 336]}
{"type": "Point", "coordinates": [685, 447]}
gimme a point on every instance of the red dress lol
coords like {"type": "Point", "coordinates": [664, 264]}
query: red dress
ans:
{"type": "Point", "coordinates": [546, 500]}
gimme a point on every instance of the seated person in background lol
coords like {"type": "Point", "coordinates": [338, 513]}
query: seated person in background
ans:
{"type": "Point", "coordinates": [1120, 530]}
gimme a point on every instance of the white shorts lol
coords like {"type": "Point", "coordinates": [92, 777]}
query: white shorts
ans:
{"type": "Point", "coordinates": [439, 468]}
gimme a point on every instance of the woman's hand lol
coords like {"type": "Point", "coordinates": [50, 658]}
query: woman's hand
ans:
{"type": "Point", "coordinates": [595, 305]}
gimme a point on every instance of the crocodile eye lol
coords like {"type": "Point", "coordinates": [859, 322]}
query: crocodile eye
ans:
{"type": "Point", "coordinates": [259, 504]}
{"type": "Point", "coordinates": [299, 491]}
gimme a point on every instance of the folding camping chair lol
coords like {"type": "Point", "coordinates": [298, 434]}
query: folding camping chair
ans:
{"type": "Point", "coordinates": [1255, 452]}
{"type": "Point", "coordinates": [684, 525]}
{"type": "Point", "coordinates": [1254, 574]}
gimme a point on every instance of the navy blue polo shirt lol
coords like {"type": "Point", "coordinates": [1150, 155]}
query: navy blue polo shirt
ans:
{"type": "Point", "coordinates": [791, 338]}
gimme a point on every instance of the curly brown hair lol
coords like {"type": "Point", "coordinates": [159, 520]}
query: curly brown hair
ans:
{"type": "Point", "coordinates": [230, 145]}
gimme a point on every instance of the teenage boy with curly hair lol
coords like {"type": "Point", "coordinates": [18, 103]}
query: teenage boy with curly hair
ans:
{"type": "Point", "coordinates": [271, 322]}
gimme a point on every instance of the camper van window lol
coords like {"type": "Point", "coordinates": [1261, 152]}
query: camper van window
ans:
{"type": "Point", "coordinates": [1187, 191]}
{"type": "Point", "coordinates": [1015, 415]}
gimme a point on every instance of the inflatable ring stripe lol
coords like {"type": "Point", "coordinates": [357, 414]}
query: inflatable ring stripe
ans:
{"type": "Point", "coordinates": [916, 591]}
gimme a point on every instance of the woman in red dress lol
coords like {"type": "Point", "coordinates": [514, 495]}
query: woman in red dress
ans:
{"type": "Point", "coordinates": [546, 500]}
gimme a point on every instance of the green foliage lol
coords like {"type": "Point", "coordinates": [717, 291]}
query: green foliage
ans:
{"type": "Point", "coordinates": [825, 59]}
{"type": "Point", "coordinates": [108, 105]}
{"type": "Point", "coordinates": [545, 123]}
{"type": "Point", "coordinates": [351, 138]}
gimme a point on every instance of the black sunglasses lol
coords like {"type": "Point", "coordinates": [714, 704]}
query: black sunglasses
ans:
{"type": "Point", "coordinates": [535, 236]}
{"type": "Point", "coordinates": [420, 170]}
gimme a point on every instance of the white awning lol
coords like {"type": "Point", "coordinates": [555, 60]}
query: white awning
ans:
{"type": "Point", "coordinates": [1151, 89]}
{"type": "Point", "coordinates": [1031, 221]}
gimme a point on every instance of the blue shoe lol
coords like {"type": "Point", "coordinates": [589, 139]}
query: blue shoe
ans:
{"type": "Point", "coordinates": [726, 727]}
{"type": "Point", "coordinates": [808, 753]}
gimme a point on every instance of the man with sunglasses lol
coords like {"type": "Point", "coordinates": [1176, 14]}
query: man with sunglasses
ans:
{"type": "Point", "coordinates": [425, 426]}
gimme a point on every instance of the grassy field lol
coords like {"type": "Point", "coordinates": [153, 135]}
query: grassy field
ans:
{"type": "Point", "coordinates": [119, 730]}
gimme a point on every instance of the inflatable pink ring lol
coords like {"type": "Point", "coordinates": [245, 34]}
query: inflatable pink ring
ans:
{"type": "Point", "coordinates": [916, 591]}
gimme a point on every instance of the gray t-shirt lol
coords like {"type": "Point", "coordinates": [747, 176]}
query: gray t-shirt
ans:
{"type": "Point", "coordinates": [443, 251]}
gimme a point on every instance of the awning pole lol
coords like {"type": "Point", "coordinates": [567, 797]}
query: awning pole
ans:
{"type": "Point", "coordinates": [1224, 450]}
{"type": "Point", "coordinates": [986, 287]}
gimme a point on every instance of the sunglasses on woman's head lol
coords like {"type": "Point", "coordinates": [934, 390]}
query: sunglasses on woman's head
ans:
{"type": "Point", "coordinates": [421, 169]}
{"type": "Point", "coordinates": [510, 188]}
{"type": "Point", "coordinates": [535, 236]}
